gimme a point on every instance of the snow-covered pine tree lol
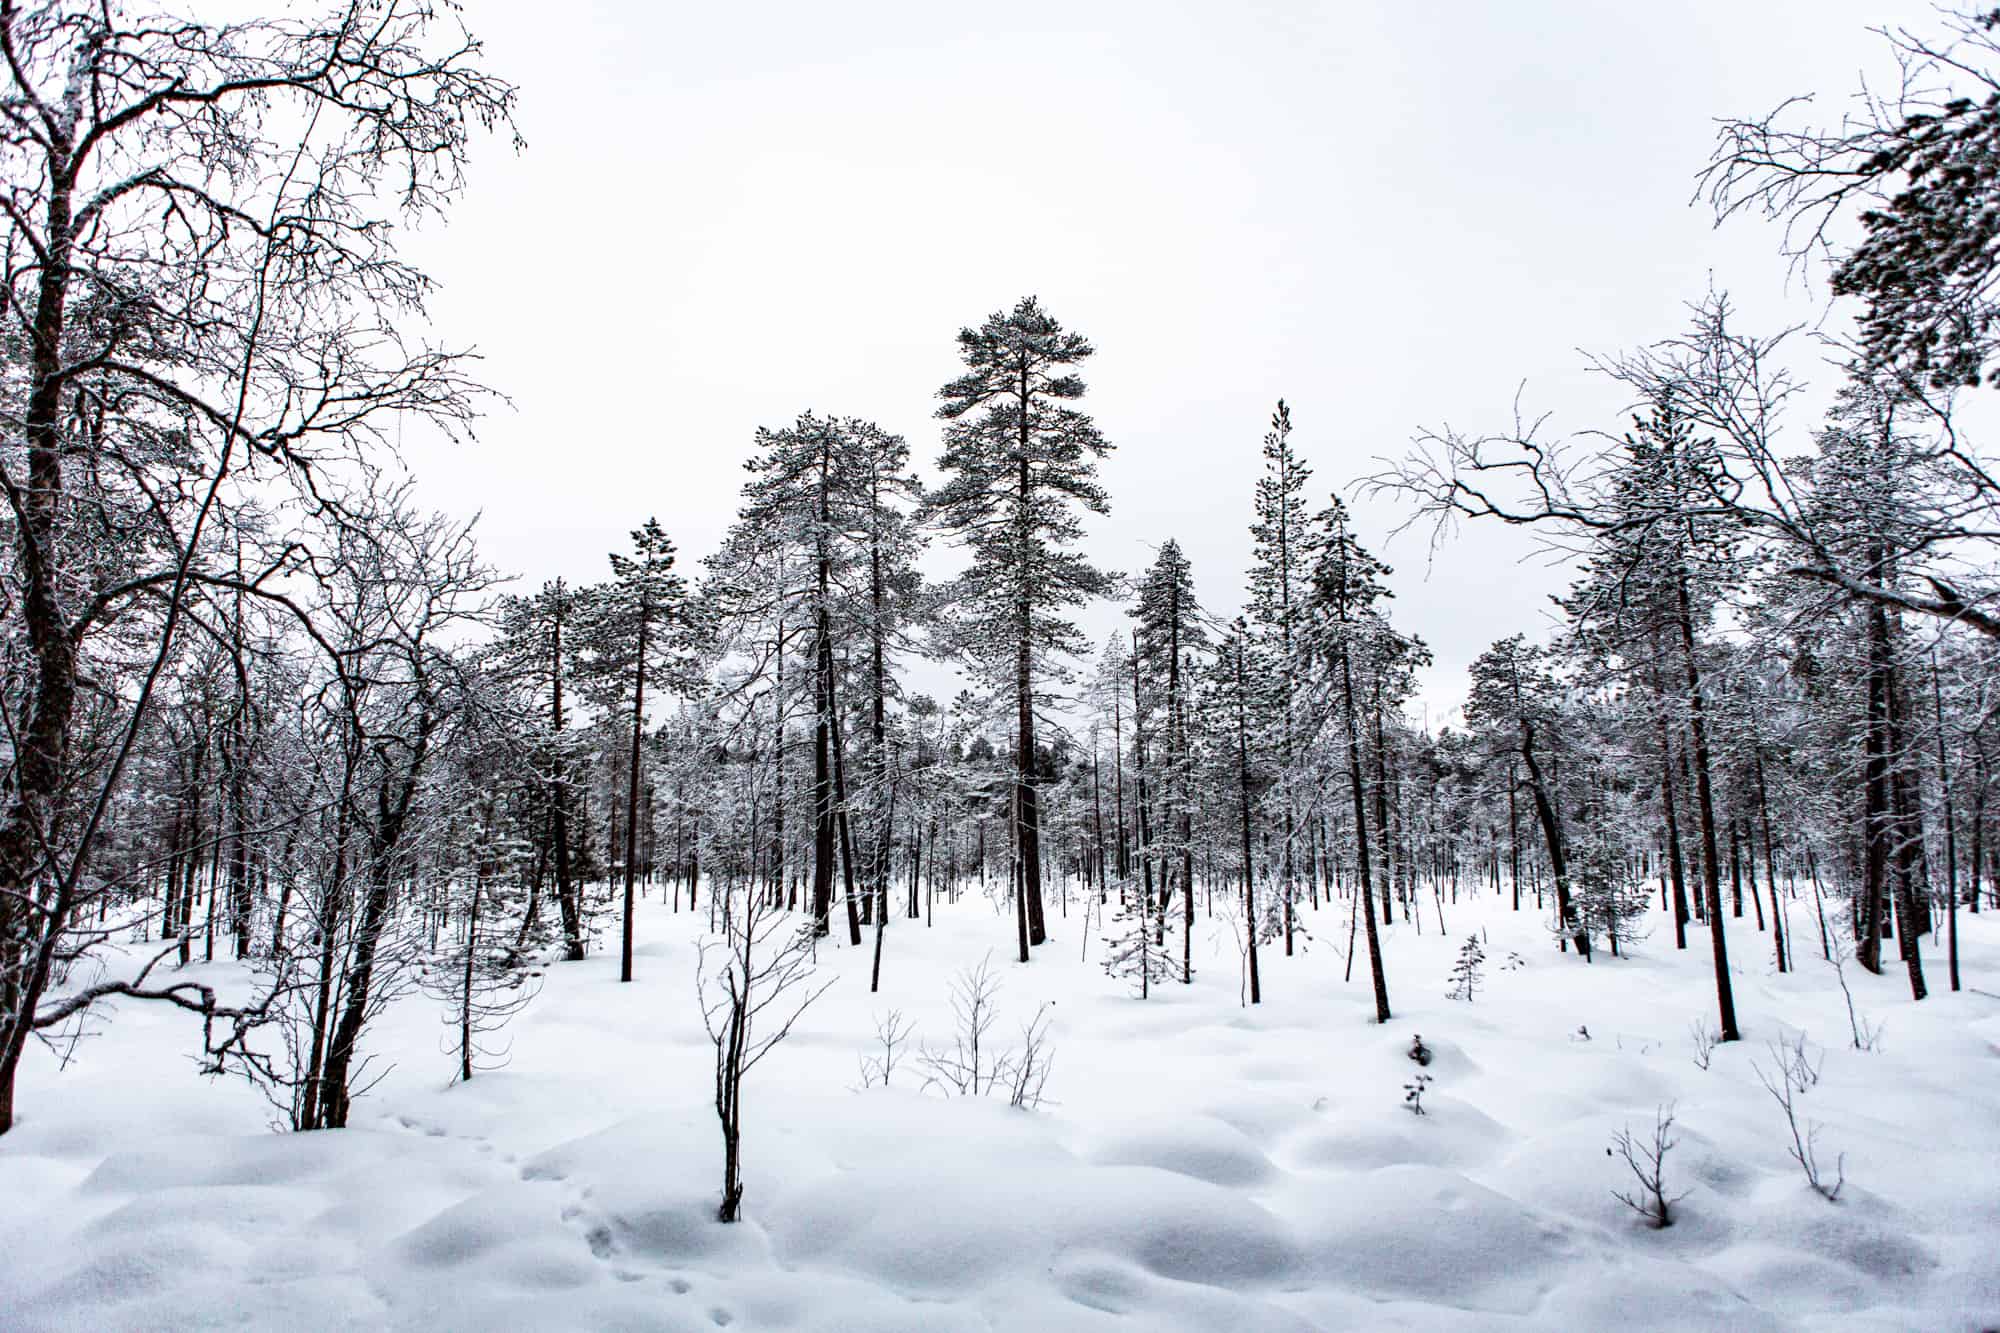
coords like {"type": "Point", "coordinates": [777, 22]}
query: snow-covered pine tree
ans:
{"type": "Point", "coordinates": [534, 653]}
{"type": "Point", "coordinates": [1611, 899]}
{"type": "Point", "coordinates": [1344, 626]}
{"type": "Point", "coordinates": [641, 631]}
{"type": "Point", "coordinates": [1137, 948]}
{"type": "Point", "coordinates": [1231, 694]}
{"type": "Point", "coordinates": [1018, 463]}
{"type": "Point", "coordinates": [479, 975]}
{"type": "Point", "coordinates": [1283, 554]}
{"type": "Point", "coordinates": [1514, 693]}
{"type": "Point", "coordinates": [1167, 633]}
{"type": "Point", "coordinates": [824, 550]}
{"type": "Point", "coordinates": [1465, 972]}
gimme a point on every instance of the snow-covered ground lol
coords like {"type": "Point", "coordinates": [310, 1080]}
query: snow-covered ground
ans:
{"type": "Point", "coordinates": [1205, 1165]}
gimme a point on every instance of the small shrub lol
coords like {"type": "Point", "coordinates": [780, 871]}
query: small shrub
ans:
{"type": "Point", "coordinates": [1784, 1090]}
{"type": "Point", "coordinates": [892, 1037]}
{"type": "Point", "coordinates": [1706, 1038]}
{"type": "Point", "coordinates": [1648, 1162]}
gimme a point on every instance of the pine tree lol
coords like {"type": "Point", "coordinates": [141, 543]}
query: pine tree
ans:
{"type": "Point", "coordinates": [1019, 461]}
{"type": "Point", "coordinates": [1465, 973]}
{"type": "Point", "coordinates": [1167, 632]}
{"type": "Point", "coordinates": [641, 632]}
{"type": "Point", "coordinates": [1280, 586]}
{"type": "Point", "coordinates": [1610, 899]}
{"type": "Point", "coordinates": [480, 975]}
{"type": "Point", "coordinates": [1136, 949]}
{"type": "Point", "coordinates": [1514, 692]}
{"type": "Point", "coordinates": [1344, 627]}
{"type": "Point", "coordinates": [535, 651]}
{"type": "Point", "coordinates": [1239, 682]}
{"type": "Point", "coordinates": [825, 545]}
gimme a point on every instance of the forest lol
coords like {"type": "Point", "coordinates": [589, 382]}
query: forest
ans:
{"type": "Point", "coordinates": [299, 785]}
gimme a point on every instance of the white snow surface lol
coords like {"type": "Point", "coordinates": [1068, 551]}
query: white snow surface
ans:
{"type": "Point", "coordinates": [1206, 1165]}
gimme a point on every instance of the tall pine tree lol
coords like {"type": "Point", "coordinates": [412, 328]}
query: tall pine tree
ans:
{"type": "Point", "coordinates": [1019, 463]}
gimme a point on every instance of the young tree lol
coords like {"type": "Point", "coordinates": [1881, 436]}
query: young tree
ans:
{"type": "Point", "coordinates": [480, 975]}
{"type": "Point", "coordinates": [754, 982]}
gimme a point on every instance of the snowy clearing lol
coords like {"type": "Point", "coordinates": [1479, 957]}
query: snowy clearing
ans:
{"type": "Point", "coordinates": [1204, 1166]}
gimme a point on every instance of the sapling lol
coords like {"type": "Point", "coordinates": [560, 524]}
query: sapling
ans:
{"type": "Point", "coordinates": [754, 984]}
{"type": "Point", "coordinates": [1465, 972]}
{"type": "Point", "coordinates": [892, 1038]}
{"type": "Point", "coordinates": [1413, 1093]}
{"type": "Point", "coordinates": [1867, 1036]}
{"type": "Point", "coordinates": [1805, 1142]}
{"type": "Point", "coordinates": [1799, 1059]}
{"type": "Point", "coordinates": [1706, 1039]}
{"type": "Point", "coordinates": [1028, 1071]}
{"type": "Point", "coordinates": [1648, 1163]}
{"type": "Point", "coordinates": [968, 1067]}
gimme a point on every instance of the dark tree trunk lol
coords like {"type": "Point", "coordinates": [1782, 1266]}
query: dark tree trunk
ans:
{"type": "Point", "coordinates": [632, 788]}
{"type": "Point", "coordinates": [1243, 793]}
{"type": "Point", "coordinates": [1545, 812]}
{"type": "Point", "coordinates": [1364, 875]}
{"type": "Point", "coordinates": [1675, 862]}
{"type": "Point", "coordinates": [1725, 998]}
{"type": "Point", "coordinates": [567, 897]}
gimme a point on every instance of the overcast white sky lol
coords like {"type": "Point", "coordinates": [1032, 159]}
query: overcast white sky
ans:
{"type": "Point", "coordinates": [1391, 214]}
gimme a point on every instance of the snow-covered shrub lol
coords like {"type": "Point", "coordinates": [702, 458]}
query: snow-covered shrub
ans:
{"type": "Point", "coordinates": [970, 1066]}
